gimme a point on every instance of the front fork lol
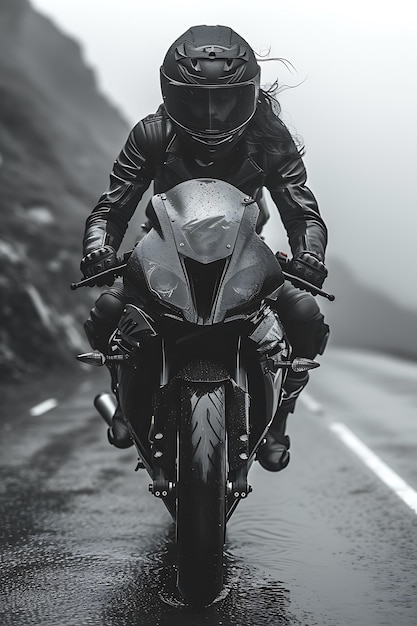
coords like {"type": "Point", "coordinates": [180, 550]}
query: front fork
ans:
{"type": "Point", "coordinates": [272, 348]}
{"type": "Point", "coordinates": [163, 433]}
{"type": "Point", "coordinates": [164, 427]}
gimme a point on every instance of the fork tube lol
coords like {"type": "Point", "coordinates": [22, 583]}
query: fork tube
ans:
{"type": "Point", "coordinates": [164, 376]}
{"type": "Point", "coordinates": [241, 376]}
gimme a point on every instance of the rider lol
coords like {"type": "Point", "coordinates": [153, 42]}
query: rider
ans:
{"type": "Point", "coordinates": [216, 122]}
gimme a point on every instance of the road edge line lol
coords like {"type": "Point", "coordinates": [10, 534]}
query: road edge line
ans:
{"type": "Point", "coordinates": [379, 467]}
{"type": "Point", "coordinates": [43, 407]}
{"type": "Point", "coordinates": [310, 403]}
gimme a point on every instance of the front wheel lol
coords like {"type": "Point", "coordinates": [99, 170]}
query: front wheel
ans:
{"type": "Point", "coordinates": [201, 506]}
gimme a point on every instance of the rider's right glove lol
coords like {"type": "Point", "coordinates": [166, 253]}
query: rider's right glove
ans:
{"type": "Point", "coordinates": [308, 266]}
{"type": "Point", "coordinates": [97, 261]}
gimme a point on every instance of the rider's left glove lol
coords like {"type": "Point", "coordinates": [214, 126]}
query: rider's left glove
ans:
{"type": "Point", "coordinates": [308, 266]}
{"type": "Point", "coordinates": [97, 261]}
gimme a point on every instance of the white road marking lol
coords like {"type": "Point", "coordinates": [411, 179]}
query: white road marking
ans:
{"type": "Point", "coordinates": [310, 403]}
{"type": "Point", "coordinates": [381, 469]}
{"type": "Point", "coordinates": [43, 407]}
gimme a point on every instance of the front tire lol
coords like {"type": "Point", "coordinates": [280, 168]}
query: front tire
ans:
{"type": "Point", "coordinates": [201, 507]}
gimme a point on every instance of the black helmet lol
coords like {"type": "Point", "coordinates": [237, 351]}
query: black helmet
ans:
{"type": "Point", "coordinates": [210, 86]}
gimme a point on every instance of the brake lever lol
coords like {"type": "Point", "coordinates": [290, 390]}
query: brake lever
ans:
{"type": "Point", "coordinates": [312, 288]}
{"type": "Point", "coordinates": [117, 270]}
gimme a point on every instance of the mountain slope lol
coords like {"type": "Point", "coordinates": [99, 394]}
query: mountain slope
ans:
{"type": "Point", "coordinates": [58, 139]}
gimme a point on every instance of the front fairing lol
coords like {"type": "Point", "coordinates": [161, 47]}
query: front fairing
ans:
{"type": "Point", "coordinates": [205, 235]}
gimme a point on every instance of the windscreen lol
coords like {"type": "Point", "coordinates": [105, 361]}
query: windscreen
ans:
{"type": "Point", "coordinates": [205, 216]}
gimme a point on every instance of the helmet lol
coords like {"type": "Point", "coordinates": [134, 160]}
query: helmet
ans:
{"type": "Point", "coordinates": [210, 86]}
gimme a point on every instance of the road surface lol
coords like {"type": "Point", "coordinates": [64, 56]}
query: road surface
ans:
{"type": "Point", "coordinates": [331, 541]}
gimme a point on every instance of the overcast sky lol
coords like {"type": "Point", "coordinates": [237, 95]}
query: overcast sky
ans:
{"type": "Point", "coordinates": [355, 109]}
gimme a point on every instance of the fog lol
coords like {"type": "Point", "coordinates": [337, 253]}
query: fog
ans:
{"type": "Point", "coordinates": [354, 103]}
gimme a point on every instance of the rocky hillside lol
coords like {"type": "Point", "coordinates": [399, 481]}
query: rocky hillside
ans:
{"type": "Point", "coordinates": [58, 139]}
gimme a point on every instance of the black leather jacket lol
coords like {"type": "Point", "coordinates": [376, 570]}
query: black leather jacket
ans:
{"type": "Point", "coordinates": [153, 152]}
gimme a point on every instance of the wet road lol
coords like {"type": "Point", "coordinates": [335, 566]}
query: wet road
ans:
{"type": "Point", "coordinates": [324, 543]}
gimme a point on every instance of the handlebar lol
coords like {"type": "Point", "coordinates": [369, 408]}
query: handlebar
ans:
{"type": "Point", "coordinates": [117, 270]}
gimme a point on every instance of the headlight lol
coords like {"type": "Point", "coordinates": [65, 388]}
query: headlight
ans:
{"type": "Point", "coordinates": [169, 287]}
{"type": "Point", "coordinates": [242, 287]}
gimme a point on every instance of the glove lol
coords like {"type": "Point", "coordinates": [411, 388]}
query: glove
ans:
{"type": "Point", "coordinates": [97, 261]}
{"type": "Point", "coordinates": [308, 266]}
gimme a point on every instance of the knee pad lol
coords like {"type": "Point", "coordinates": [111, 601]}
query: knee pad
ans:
{"type": "Point", "coordinates": [304, 324]}
{"type": "Point", "coordinates": [104, 317]}
{"type": "Point", "coordinates": [110, 304]}
{"type": "Point", "coordinates": [308, 338]}
{"type": "Point", "coordinates": [301, 306]}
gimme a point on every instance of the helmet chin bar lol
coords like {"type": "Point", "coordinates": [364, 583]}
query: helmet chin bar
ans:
{"type": "Point", "coordinates": [205, 151]}
{"type": "Point", "coordinates": [211, 142]}
{"type": "Point", "coordinates": [210, 146]}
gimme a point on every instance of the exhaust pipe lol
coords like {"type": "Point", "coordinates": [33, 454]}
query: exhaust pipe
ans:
{"type": "Point", "coordinates": [106, 405]}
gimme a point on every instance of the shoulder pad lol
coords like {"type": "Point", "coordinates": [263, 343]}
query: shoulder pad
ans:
{"type": "Point", "coordinates": [155, 132]}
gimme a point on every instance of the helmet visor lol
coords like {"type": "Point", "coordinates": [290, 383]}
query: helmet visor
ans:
{"type": "Point", "coordinates": [210, 110]}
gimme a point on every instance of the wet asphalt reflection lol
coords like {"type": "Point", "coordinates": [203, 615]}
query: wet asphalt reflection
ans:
{"type": "Point", "coordinates": [83, 542]}
{"type": "Point", "coordinates": [66, 560]}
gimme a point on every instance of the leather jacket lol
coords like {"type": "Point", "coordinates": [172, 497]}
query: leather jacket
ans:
{"type": "Point", "coordinates": [153, 152]}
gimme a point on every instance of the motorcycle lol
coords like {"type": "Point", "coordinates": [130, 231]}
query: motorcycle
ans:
{"type": "Point", "coordinates": [198, 359]}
